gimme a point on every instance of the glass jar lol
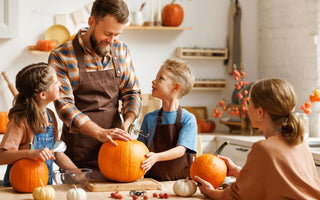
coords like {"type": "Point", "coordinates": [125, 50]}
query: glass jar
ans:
{"type": "Point", "coordinates": [305, 119]}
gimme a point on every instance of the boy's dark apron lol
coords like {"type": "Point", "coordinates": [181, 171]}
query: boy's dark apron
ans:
{"type": "Point", "coordinates": [97, 97]}
{"type": "Point", "coordinates": [165, 138]}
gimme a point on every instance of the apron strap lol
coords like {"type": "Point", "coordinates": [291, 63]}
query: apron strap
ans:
{"type": "Point", "coordinates": [79, 53]}
{"type": "Point", "coordinates": [115, 61]}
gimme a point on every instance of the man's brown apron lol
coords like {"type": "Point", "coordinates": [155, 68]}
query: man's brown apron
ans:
{"type": "Point", "coordinates": [165, 138]}
{"type": "Point", "coordinates": [97, 97]}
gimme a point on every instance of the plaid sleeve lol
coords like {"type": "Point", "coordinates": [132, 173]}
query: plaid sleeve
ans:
{"type": "Point", "coordinates": [130, 92]}
{"type": "Point", "coordinates": [64, 62]}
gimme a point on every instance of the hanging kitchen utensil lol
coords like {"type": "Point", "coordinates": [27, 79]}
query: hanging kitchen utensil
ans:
{"type": "Point", "coordinates": [11, 87]}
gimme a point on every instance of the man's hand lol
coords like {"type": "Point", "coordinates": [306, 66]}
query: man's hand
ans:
{"type": "Point", "coordinates": [104, 135]}
{"type": "Point", "coordinates": [107, 135]}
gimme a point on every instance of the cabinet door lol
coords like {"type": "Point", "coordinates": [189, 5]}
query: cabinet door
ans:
{"type": "Point", "coordinates": [237, 153]}
{"type": "Point", "coordinates": [9, 17]}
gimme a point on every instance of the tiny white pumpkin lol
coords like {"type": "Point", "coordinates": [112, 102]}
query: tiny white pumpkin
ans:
{"type": "Point", "coordinates": [76, 194]}
{"type": "Point", "coordinates": [184, 187]}
{"type": "Point", "coordinates": [43, 192]}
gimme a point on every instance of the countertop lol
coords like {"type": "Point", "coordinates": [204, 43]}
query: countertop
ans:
{"type": "Point", "coordinates": [9, 193]}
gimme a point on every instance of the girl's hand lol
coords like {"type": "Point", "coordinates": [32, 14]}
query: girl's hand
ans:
{"type": "Point", "coordinates": [152, 158]}
{"type": "Point", "coordinates": [233, 169]}
{"type": "Point", "coordinates": [42, 154]}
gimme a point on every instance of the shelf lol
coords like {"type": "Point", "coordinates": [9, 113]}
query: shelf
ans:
{"type": "Point", "coordinates": [131, 27]}
{"type": "Point", "coordinates": [207, 53]}
{"type": "Point", "coordinates": [210, 84]}
{"type": "Point", "coordinates": [33, 50]}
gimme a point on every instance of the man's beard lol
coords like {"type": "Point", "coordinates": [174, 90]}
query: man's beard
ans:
{"type": "Point", "coordinates": [99, 48]}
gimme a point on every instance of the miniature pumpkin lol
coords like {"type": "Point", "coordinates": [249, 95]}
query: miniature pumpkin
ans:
{"type": "Point", "coordinates": [25, 175]}
{"type": "Point", "coordinates": [76, 194]}
{"type": "Point", "coordinates": [210, 168]}
{"type": "Point", "coordinates": [3, 121]}
{"type": "Point", "coordinates": [43, 192]}
{"type": "Point", "coordinates": [172, 14]}
{"type": "Point", "coordinates": [122, 163]}
{"type": "Point", "coordinates": [46, 45]}
{"type": "Point", "coordinates": [184, 187]}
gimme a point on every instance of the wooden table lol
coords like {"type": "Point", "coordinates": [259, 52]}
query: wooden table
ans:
{"type": "Point", "coordinates": [8, 193]}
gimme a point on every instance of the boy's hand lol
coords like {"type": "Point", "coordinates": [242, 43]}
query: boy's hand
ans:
{"type": "Point", "coordinates": [152, 158]}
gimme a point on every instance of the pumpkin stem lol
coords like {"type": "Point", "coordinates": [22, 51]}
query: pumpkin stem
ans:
{"type": "Point", "coordinates": [219, 150]}
{"type": "Point", "coordinates": [173, 1]}
{"type": "Point", "coordinates": [74, 186]}
{"type": "Point", "coordinates": [41, 182]}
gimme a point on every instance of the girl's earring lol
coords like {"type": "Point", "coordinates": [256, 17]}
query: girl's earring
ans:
{"type": "Point", "coordinates": [259, 118]}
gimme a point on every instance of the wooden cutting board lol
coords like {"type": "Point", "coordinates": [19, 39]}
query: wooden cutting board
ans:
{"type": "Point", "coordinates": [108, 186]}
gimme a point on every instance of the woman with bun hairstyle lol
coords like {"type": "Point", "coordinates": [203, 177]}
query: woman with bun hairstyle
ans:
{"type": "Point", "coordinates": [279, 167]}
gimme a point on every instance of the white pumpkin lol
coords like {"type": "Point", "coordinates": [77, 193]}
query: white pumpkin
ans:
{"type": "Point", "coordinates": [43, 192]}
{"type": "Point", "coordinates": [76, 194]}
{"type": "Point", "coordinates": [184, 187]}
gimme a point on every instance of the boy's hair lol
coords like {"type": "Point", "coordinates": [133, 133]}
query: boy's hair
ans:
{"type": "Point", "coordinates": [116, 8]}
{"type": "Point", "coordinates": [30, 81]}
{"type": "Point", "coordinates": [181, 73]}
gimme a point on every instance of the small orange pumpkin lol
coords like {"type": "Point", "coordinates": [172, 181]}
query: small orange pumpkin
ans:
{"type": "Point", "coordinates": [172, 14]}
{"type": "Point", "coordinates": [210, 168]}
{"type": "Point", "coordinates": [25, 175]}
{"type": "Point", "coordinates": [46, 45]}
{"type": "Point", "coordinates": [122, 163]}
{"type": "Point", "coordinates": [3, 121]}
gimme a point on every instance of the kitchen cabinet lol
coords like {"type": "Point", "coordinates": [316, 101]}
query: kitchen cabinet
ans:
{"type": "Point", "coordinates": [9, 18]}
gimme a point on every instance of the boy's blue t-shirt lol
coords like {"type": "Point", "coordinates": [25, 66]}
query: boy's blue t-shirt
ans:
{"type": "Point", "coordinates": [188, 132]}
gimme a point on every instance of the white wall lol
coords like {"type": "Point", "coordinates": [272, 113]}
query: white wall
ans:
{"type": "Point", "coordinates": [149, 48]}
{"type": "Point", "coordinates": [288, 49]}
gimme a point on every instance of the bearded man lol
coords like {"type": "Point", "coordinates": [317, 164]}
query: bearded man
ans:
{"type": "Point", "coordinates": [95, 70]}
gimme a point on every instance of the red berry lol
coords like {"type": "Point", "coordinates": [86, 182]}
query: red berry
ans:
{"type": "Point", "coordinates": [113, 195]}
{"type": "Point", "coordinates": [161, 195]}
{"type": "Point", "coordinates": [134, 197]}
{"type": "Point", "coordinates": [155, 194]}
{"type": "Point", "coordinates": [166, 195]}
{"type": "Point", "coordinates": [240, 96]}
{"type": "Point", "coordinates": [145, 197]}
{"type": "Point", "coordinates": [307, 104]}
{"type": "Point", "coordinates": [119, 196]}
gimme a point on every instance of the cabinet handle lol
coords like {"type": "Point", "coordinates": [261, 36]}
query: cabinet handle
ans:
{"type": "Point", "coordinates": [317, 165]}
{"type": "Point", "coordinates": [242, 149]}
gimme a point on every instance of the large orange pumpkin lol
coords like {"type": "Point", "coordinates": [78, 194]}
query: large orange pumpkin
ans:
{"type": "Point", "coordinates": [3, 121]}
{"type": "Point", "coordinates": [25, 175]}
{"type": "Point", "coordinates": [122, 163]}
{"type": "Point", "coordinates": [210, 168]}
{"type": "Point", "coordinates": [172, 14]}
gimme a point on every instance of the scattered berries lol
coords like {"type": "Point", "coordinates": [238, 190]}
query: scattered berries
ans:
{"type": "Point", "coordinates": [145, 197]}
{"type": "Point", "coordinates": [155, 194]}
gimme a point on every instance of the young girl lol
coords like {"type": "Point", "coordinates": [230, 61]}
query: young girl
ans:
{"type": "Point", "coordinates": [31, 123]}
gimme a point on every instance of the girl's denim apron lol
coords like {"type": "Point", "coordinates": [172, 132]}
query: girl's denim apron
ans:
{"type": "Point", "coordinates": [40, 141]}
